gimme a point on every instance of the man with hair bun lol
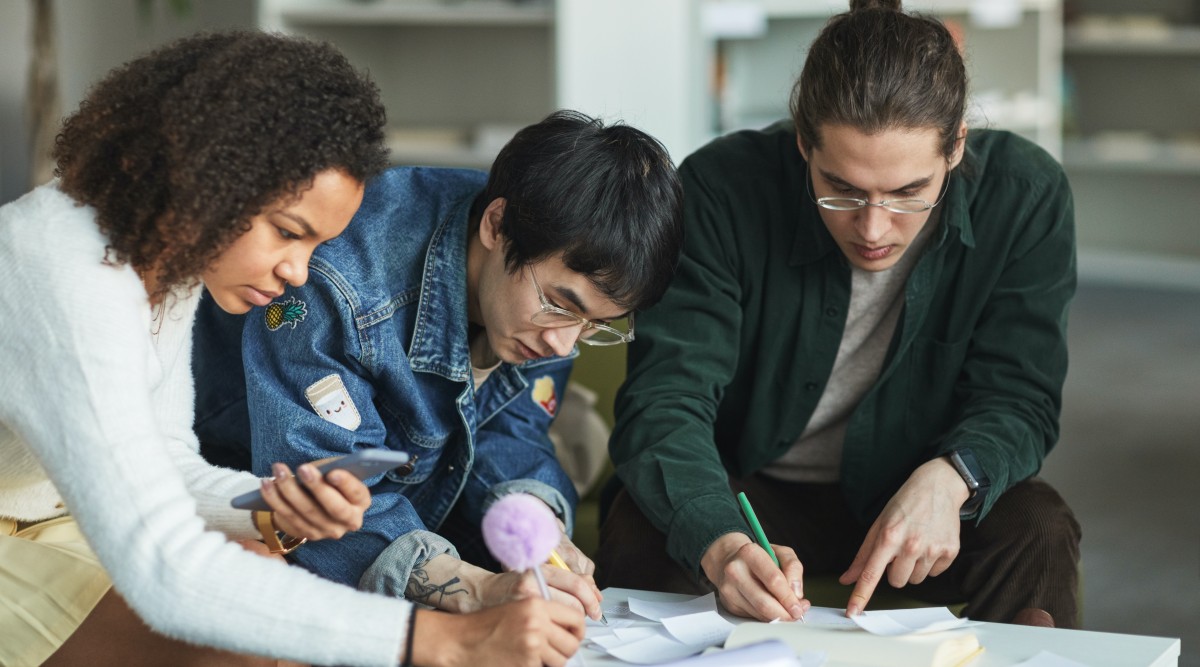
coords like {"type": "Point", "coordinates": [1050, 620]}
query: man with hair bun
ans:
{"type": "Point", "coordinates": [867, 336]}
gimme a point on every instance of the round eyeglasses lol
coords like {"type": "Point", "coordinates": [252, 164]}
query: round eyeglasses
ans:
{"type": "Point", "coordinates": [893, 205]}
{"type": "Point", "coordinates": [551, 316]}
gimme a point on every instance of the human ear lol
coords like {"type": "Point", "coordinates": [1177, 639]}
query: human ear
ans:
{"type": "Point", "coordinates": [960, 145]}
{"type": "Point", "coordinates": [800, 145]}
{"type": "Point", "coordinates": [490, 223]}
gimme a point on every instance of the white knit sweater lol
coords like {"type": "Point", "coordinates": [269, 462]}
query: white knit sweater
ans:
{"type": "Point", "coordinates": [95, 419]}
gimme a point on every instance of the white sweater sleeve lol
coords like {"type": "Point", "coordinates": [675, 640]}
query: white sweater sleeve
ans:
{"type": "Point", "coordinates": [174, 405]}
{"type": "Point", "coordinates": [79, 363]}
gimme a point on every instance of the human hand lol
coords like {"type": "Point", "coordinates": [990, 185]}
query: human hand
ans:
{"type": "Point", "coordinates": [526, 633]}
{"type": "Point", "coordinates": [578, 592]}
{"type": "Point", "coordinates": [313, 506]}
{"type": "Point", "coordinates": [579, 564]}
{"type": "Point", "coordinates": [748, 582]}
{"type": "Point", "coordinates": [575, 559]}
{"type": "Point", "coordinates": [916, 536]}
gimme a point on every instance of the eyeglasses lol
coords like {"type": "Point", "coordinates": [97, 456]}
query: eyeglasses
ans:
{"type": "Point", "coordinates": [893, 205]}
{"type": "Point", "coordinates": [594, 333]}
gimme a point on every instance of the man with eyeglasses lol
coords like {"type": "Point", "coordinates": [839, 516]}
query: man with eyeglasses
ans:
{"type": "Point", "coordinates": [867, 336]}
{"type": "Point", "coordinates": [443, 323]}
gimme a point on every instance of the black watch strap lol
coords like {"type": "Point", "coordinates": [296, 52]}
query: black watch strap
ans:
{"type": "Point", "coordinates": [972, 474]}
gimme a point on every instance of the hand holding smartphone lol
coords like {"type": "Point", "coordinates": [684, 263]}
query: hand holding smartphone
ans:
{"type": "Point", "coordinates": [362, 464]}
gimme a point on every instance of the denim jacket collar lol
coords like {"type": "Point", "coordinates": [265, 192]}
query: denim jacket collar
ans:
{"type": "Point", "coordinates": [439, 342]}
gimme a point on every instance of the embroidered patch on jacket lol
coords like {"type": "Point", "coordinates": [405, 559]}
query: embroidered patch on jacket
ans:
{"type": "Point", "coordinates": [544, 394]}
{"type": "Point", "coordinates": [290, 312]}
{"type": "Point", "coordinates": [329, 397]}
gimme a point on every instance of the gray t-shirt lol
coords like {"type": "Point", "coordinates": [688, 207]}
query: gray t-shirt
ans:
{"type": "Point", "coordinates": [876, 301]}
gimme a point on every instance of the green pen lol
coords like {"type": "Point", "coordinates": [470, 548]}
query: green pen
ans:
{"type": "Point", "coordinates": [756, 527]}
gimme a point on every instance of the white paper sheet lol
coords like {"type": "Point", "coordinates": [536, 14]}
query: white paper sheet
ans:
{"type": "Point", "coordinates": [657, 611]}
{"type": "Point", "coordinates": [622, 636]}
{"type": "Point", "coordinates": [896, 622]}
{"type": "Point", "coordinates": [653, 650]}
{"type": "Point", "coordinates": [826, 617]}
{"type": "Point", "coordinates": [704, 629]}
{"type": "Point", "coordinates": [674, 630]}
{"type": "Point", "coordinates": [613, 622]}
{"type": "Point", "coordinates": [771, 653]}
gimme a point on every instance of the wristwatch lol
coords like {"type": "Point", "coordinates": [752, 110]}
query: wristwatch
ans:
{"type": "Point", "coordinates": [972, 474]}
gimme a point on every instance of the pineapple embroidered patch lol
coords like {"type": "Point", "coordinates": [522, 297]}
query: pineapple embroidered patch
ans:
{"type": "Point", "coordinates": [330, 398]}
{"type": "Point", "coordinates": [545, 395]}
{"type": "Point", "coordinates": [290, 312]}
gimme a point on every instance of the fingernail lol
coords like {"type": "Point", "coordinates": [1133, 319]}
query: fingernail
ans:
{"type": "Point", "coordinates": [280, 471]}
{"type": "Point", "coordinates": [797, 589]}
{"type": "Point", "coordinates": [797, 612]}
{"type": "Point", "coordinates": [308, 473]}
{"type": "Point", "coordinates": [268, 485]}
{"type": "Point", "coordinates": [852, 610]}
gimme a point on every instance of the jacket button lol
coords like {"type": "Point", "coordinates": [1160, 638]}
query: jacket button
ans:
{"type": "Point", "coordinates": [831, 311]}
{"type": "Point", "coordinates": [407, 468]}
{"type": "Point", "coordinates": [810, 386]}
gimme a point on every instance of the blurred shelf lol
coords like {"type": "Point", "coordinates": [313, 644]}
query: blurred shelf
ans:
{"type": "Point", "coordinates": [1134, 269]}
{"type": "Point", "coordinates": [422, 13]}
{"type": "Point", "coordinates": [441, 157]}
{"type": "Point", "coordinates": [1175, 41]}
{"type": "Point", "coordinates": [1160, 157]}
{"type": "Point", "coordinates": [826, 8]}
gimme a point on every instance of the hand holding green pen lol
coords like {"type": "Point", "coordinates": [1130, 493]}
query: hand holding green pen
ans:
{"type": "Point", "coordinates": [756, 527]}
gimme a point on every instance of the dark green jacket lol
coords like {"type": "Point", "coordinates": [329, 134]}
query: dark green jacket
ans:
{"type": "Point", "coordinates": [727, 370]}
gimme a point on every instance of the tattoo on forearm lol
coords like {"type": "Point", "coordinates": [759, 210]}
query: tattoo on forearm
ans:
{"type": "Point", "coordinates": [421, 589]}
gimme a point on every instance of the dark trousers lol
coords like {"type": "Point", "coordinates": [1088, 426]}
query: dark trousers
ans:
{"type": "Point", "coordinates": [1025, 553]}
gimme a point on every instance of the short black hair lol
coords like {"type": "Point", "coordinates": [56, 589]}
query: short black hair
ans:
{"type": "Point", "coordinates": [605, 197]}
{"type": "Point", "coordinates": [178, 149]}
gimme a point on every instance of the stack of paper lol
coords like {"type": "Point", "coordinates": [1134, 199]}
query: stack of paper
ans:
{"type": "Point", "coordinates": [771, 653]}
{"type": "Point", "coordinates": [899, 638]}
{"type": "Point", "coordinates": [647, 633]}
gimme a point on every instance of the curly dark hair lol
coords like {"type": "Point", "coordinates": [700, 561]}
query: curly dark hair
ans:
{"type": "Point", "coordinates": [178, 149]}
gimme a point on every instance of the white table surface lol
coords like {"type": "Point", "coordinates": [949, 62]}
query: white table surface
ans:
{"type": "Point", "coordinates": [1004, 645]}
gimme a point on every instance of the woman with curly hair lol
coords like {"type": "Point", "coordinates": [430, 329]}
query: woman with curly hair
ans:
{"type": "Point", "coordinates": [220, 160]}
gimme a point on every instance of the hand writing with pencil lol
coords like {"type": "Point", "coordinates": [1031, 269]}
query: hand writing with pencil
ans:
{"type": "Point", "coordinates": [567, 558]}
{"type": "Point", "coordinates": [568, 576]}
{"type": "Point", "coordinates": [571, 555]}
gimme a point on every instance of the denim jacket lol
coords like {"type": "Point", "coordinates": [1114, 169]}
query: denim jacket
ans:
{"type": "Point", "coordinates": [373, 352]}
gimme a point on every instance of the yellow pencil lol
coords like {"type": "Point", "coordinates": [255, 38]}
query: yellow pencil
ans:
{"type": "Point", "coordinates": [558, 562]}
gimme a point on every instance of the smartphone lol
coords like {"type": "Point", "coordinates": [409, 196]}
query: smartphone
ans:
{"type": "Point", "coordinates": [362, 464]}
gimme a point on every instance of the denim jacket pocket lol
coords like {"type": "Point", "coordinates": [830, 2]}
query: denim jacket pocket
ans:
{"type": "Point", "coordinates": [422, 462]}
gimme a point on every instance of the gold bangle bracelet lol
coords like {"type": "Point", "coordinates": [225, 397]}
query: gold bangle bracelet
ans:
{"type": "Point", "coordinates": [265, 522]}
